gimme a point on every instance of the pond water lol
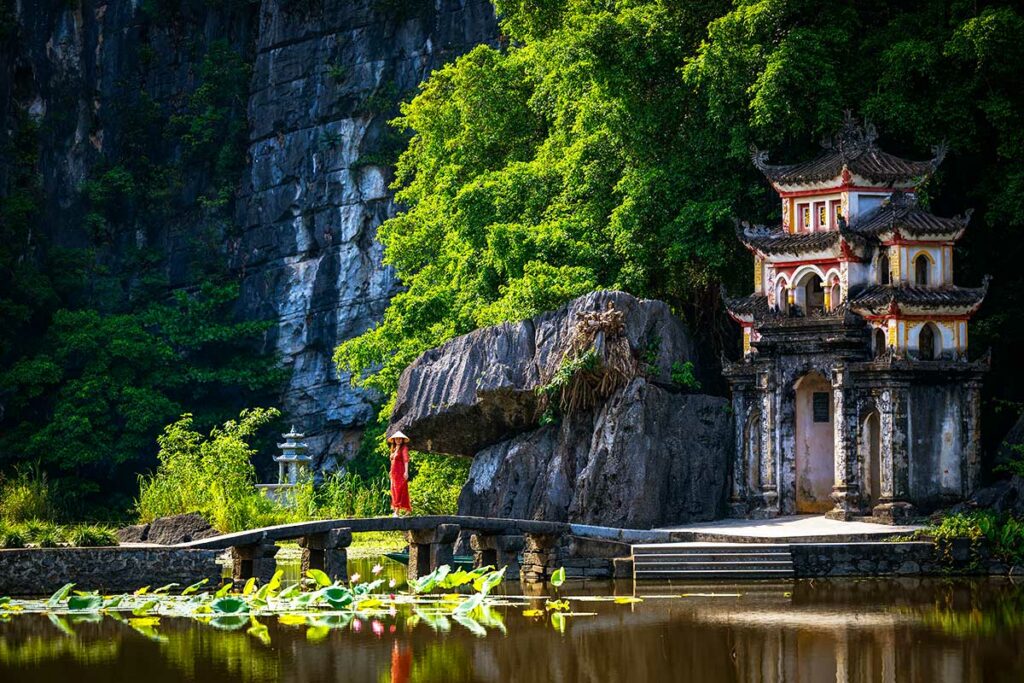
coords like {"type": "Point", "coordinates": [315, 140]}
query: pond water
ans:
{"type": "Point", "coordinates": [846, 631]}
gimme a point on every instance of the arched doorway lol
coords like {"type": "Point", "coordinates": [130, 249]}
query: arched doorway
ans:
{"type": "Point", "coordinates": [883, 269]}
{"type": "Point", "coordinates": [870, 458]}
{"type": "Point", "coordinates": [753, 452]}
{"type": "Point", "coordinates": [921, 267]}
{"type": "Point", "coordinates": [814, 295]}
{"type": "Point", "coordinates": [815, 464]}
{"type": "Point", "coordinates": [880, 344]}
{"type": "Point", "coordinates": [928, 343]}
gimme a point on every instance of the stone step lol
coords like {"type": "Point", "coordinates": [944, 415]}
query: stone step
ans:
{"type": "Point", "coordinates": [711, 557]}
{"type": "Point", "coordinates": [717, 576]}
{"type": "Point", "coordinates": [712, 561]}
{"type": "Point", "coordinates": [720, 548]}
{"type": "Point", "coordinates": [750, 564]}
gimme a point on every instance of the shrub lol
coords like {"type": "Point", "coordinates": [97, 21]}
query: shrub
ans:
{"type": "Point", "coordinates": [1003, 534]}
{"type": "Point", "coordinates": [25, 496]}
{"type": "Point", "coordinates": [92, 535]}
{"type": "Point", "coordinates": [350, 495]}
{"type": "Point", "coordinates": [11, 537]}
{"type": "Point", "coordinates": [48, 536]}
{"type": "Point", "coordinates": [435, 486]}
{"type": "Point", "coordinates": [213, 475]}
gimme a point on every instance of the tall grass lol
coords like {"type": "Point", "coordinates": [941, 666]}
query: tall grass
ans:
{"type": "Point", "coordinates": [212, 475]}
{"type": "Point", "coordinates": [25, 496]}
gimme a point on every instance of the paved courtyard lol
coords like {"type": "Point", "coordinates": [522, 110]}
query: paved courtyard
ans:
{"type": "Point", "coordinates": [793, 527]}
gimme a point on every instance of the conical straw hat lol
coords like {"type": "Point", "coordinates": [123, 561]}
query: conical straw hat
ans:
{"type": "Point", "coordinates": [397, 436]}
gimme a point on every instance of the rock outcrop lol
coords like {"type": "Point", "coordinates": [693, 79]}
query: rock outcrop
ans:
{"type": "Point", "coordinates": [171, 530]}
{"type": "Point", "coordinates": [480, 388]}
{"type": "Point", "coordinates": [652, 453]}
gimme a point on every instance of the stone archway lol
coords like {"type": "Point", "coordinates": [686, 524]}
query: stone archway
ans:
{"type": "Point", "coordinates": [871, 458]}
{"type": "Point", "coordinates": [815, 443]}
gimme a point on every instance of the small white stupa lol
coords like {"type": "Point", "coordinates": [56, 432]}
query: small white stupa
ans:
{"type": "Point", "coordinates": [294, 459]}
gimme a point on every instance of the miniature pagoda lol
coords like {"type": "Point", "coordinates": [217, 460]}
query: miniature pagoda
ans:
{"type": "Point", "coordinates": [855, 395]}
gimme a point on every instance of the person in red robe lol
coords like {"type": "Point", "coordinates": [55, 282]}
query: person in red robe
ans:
{"type": "Point", "coordinates": [399, 445]}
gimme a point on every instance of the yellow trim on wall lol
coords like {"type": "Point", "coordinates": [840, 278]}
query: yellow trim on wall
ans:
{"type": "Point", "coordinates": [758, 277]}
{"type": "Point", "coordinates": [894, 265]}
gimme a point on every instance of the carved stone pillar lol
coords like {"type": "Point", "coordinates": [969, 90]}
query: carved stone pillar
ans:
{"type": "Point", "coordinates": [430, 548]}
{"type": "Point", "coordinates": [767, 390]}
{"type": "Point", "coordinates": [254, 560]}
{"type": "Point", "coordinates": [540, 557]}
{"type": "Point", "coordinates": [893, 505]}
{"type": "Point", "coordinates": [845, 488]}
{"type": "Point", "coordinates": [327, 552]}
{"type": "Point", "coordinates": [738, 505]}
{"type": "Point", "coordinates": [970, 469]}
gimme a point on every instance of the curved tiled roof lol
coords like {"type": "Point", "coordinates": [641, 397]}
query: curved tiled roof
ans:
{"type": "Point", "coordinates": [778, 241]}
{"type": "Point", "coordinates": [754, 304]}
{"type": "Point", "coordinates": [853, 147]}
{"type": "Point", "coordinates": [881, 296]}
{"type": "Point", "coordinates": [900, 212]}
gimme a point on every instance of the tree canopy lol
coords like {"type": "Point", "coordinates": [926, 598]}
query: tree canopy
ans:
{"type": "Point", "coordinates": [606, 144]}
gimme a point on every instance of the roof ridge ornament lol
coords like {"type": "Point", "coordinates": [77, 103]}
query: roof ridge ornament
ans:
{"type": "Point", "coordinates": [901, 203]}
{"type": "Point", "coordinates": [853, 139]}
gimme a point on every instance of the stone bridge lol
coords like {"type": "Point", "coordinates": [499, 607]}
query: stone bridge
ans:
{"type": "Point", "coordinates": [431, 539]}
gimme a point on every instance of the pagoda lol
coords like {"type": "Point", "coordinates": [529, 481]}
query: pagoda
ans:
{"type": "Point", "coordinates": [855, 395]}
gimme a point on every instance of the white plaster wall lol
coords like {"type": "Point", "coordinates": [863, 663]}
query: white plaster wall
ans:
{"type": "Point", "coordinates": [815, 443]}
{"type": "Point", "coordinates": [946, 337]}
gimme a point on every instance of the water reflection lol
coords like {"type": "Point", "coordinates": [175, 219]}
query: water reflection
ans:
{"type": "Point", "coordinates": [846, 631]}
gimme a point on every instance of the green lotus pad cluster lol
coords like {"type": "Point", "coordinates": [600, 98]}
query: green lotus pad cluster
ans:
{"type": "Point", "coordinates": [316, 602]}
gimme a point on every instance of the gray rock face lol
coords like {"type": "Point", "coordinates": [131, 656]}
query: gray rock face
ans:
{"type": "Point", "coordinates": [1002, 497]}
{"type": "Point", "coordinates": [476, 389]}
{"type": "Point", "coordinates": [326, 78]}
{"type": "Point", "coordinates": [169, 530]}
{"type": "Point", "coordinates": [648, 455]}
{"type": "Point", "coordinates": [647, 458]}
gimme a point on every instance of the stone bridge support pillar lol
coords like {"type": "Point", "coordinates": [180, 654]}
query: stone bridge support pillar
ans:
{"type": "Point", "coordinates": [327, 552]}
{"type": "Point", "coordinates": [540, 557]}
{"type": "Point", "coordinates": [497, 550]}
{"type": "Point", "coordinates": [254, 560]}
{"type": "Point", "coordinates": [430, 548]}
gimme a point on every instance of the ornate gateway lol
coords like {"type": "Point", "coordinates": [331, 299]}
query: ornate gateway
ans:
{"type": "Point", "coordinates": [855, 395]}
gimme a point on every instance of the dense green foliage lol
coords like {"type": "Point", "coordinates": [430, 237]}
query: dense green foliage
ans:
{"type": "Point", "coordinates": [212, 475]}
{"type": "Point", "coordinates": [98, 350]}
{"type": "Point", "coordinates": [608, 145]}
{"type": "Point", "coordinates": [1004, 535]}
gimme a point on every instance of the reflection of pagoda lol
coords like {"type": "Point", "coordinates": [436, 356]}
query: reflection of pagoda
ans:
{"type": "Point", "coordinates": [855, 392]}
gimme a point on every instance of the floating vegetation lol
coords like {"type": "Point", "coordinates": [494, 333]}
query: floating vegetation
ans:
{"type": "Point", "coordinates": [438, 600]}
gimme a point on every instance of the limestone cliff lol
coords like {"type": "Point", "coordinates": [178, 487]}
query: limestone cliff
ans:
{"type": "Point", "coordinates": [323, 77]}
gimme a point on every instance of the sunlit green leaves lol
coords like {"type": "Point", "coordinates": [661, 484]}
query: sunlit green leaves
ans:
{"type": "Point", "coordinates": [229, 605]}
{"type": "Point", "coordinates": [85, 602]}
{"type": "Point", "coordinates": [558, 577]}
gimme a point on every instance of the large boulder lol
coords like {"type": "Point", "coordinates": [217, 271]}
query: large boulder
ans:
{"type": "Point", "coordinates": [171, 530]}
{"type": "Point", "coordinates": [641, 451]}
{"type": "Point", "coordinates": [481, 388]}
{"type": "Point", "coordinates": [647, 457]}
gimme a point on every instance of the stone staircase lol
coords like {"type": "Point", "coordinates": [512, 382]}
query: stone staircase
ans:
{"type": "Point", "coordinates": [712, 561]}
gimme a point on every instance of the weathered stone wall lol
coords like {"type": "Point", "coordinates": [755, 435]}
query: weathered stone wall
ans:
{"type": "Point", "coordinates": [865, 559]}
{"type": "Point", "coordinates": [40, 571]}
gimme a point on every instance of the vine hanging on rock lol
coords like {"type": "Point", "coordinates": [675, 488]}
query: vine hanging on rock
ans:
{"type": "Point", "coordinates": [597, 362]}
